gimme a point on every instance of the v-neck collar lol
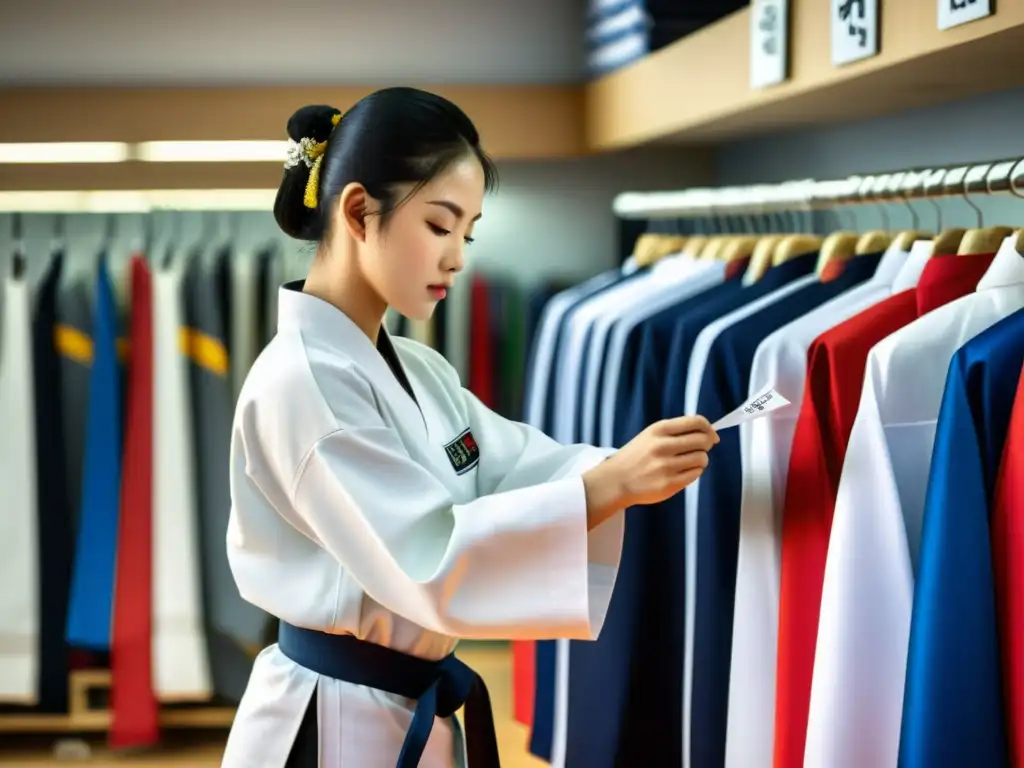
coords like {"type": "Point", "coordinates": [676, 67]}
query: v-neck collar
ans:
{"type": "Point", "coordinates": [317, 319]}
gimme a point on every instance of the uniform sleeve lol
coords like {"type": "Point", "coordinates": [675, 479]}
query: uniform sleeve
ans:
{"type": "Point", "coordinates": [516, 563]}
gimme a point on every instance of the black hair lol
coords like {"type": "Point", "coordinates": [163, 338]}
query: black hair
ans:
{"type": "Point", "coordinates": [390, 137]}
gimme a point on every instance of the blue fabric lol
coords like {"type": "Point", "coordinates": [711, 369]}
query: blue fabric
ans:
{"type": "Point", "coordinates": [952, 706]}
{"type": "Point", "coordinates": [724, 387]}
{"type": "Point", "coordinates": [92, 581]}
{"type": "Point", "coordinates": [440, 688]}
{"type": "Point", "coordinates": [545, 651]}
{"type": "Point", "coordinates": [625, 700]}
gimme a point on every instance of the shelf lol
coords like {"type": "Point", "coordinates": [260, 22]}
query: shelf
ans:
{"type": "Point", "coordinates": [696, 91]}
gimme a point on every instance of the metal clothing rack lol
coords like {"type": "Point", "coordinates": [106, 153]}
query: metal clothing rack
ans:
{"type": "Point", "coordinates": [1003, 176]}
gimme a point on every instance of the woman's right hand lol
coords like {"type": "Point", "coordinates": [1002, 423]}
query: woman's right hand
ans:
{"type": "Point", "coordinates": [653, 466]}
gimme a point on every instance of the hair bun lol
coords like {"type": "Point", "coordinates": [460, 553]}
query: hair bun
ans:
{"type": "Point", "coordinates": [313, 122]}
{"type": "Point", "coordinates": [296, 220]}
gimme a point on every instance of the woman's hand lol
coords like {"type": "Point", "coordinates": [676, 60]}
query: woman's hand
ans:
{"type": "Point", "coordinates": [655, 465]}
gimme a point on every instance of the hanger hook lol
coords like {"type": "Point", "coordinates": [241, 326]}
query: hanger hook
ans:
{"type": "Point", "coordinates": [967, 199]}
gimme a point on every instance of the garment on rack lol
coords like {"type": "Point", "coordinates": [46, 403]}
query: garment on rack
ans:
{"type": "Point", "coordinates": [954, 640]}
{"type": "Point", "coordinates": [134, 718]}
{"type": "Point", "coordinates": [867, 590]}
{"type": "Point", "coordinates": [831, 397]}
{"type": "Point", "coordinates": [1008, 572]}
{"type": "Point", "coordinates": [724, 387]}
{"type": "Point", "coordinates": [234, 627]}
{"type": "Point", "coordinates": [20, 663]}
{"type": "Point", "coordinates": [92, 584]}
{"type": "Point", "coordinates": [780, 362]}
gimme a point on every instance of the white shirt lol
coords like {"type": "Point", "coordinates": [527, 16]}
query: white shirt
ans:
{"type": "Point", "coordinates": [695, 373]}
{"type": "Point", "coordinates": [19, 545]}
{"type": "Point", "coordinates": [348, 516]}
{"type": "Point", "coordinates": [765, 444]}
{"type": "Point", "coordinates": [863, 633]}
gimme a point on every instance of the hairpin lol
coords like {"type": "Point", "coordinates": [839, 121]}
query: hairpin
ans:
{"type": "Point", "coordinates": [309, 152]}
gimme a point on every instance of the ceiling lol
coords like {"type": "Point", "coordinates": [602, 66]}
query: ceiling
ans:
{"type": "Point", "coordinates": [225, 42]}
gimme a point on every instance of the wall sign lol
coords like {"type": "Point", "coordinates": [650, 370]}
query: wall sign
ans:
{"type": "Point", "coordinates": [854, 30]}
{"type": "Point", "coordinates": [769, 42]}
{"type": "Point", "coordinates": [953, 13]}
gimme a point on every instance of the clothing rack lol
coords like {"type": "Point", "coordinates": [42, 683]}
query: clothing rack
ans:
{"type": "Point", "coordinates": [1003, 176]}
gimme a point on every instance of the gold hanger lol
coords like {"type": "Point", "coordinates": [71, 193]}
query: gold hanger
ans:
{"type": "Point", "coordinates": [761, 257]}
{"type": "Point", "coordinates": [714, 244]}
{"type": "Point", "coordinates": [1010, 181]}
{"type": "Point", "coordinates": [738, 248]}
{"type": "Point", "coordinates": [872, 242]}
{"type": "Point", "coordinates": [792, 246]}
{"type": "Point", "coordinates": [838, 248]}
{"type": "Point", "coordinates": [872, 189]}
{"type": "Point", "coordinates": [981, 239]}
{"type": "Point", "coordinates": [694, 245]}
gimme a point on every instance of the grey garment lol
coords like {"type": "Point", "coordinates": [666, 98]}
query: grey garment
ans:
{"type": "Point", "coordinates": [233, 625]}
{"type": "Point", "coordinates": [74, 311]}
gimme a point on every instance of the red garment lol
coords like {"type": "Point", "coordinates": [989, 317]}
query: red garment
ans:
{"type": "Point", "coordinates": [524, 672]}
{"type": "Point", "coordinates": [835, 376]}
{"type": "Point", "coordinates": [135, 720]}
{"type": "Point", "coordinates": [481, 344]}
{"type": "Point", "coordinates": [1008, 567]}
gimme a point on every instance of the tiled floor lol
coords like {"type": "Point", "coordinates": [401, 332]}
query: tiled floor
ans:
{"type": "Point", "coordinates": [203, 750]}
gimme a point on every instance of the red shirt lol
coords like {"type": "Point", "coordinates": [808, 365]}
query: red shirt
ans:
{"type": "Point", "coordinates": [1008, 566]}
{"type": "Point", "coordinates": [835, 376]}
{"type": "Point", "coordinates": [135, 717]}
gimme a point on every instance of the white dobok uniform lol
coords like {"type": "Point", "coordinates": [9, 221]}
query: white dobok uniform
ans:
{"type": "Point", "coordinates": [359, 509]}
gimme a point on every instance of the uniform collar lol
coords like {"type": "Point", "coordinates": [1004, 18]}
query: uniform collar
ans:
{"type": "Point", "coordinates": [1007, 269]}
{"type": "Point", "coordinates": [317, 319]}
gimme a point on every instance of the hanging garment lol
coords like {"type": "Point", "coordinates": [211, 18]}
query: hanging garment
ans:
{"type": "Point", "coordinates": [234, 626]}
{"type": "Point", "coordinates": [92, 580]}
{"type": "Point", "coordinates": [514, 357]}
{"type": "Point", "coordinates": [20, 663]}
{"type": "Point", "coordinates": [73, 340]}
{"type": "Point", "coordinates": [781, 362]}
{"type": "Point", "coordinates": [548, 350]}
{"type": "Point", "coordinates": [248, 298]}
{"type": "Point", "coordinates": [724, 387]}
{"type": "Point", "coordinates": [180, 648]}
{"type": "Point", "coordinates": [868, 584]}
{"type": "Point", "coordinates": [600, 401]}
{"type": "Point", "coordinates": [1008, 571]}
{"type": "Point", "coordinates": [614, 713]}
{"type": "Point", "coordinates": [649, 596]}
{"type": "Point", "coordinates": [471, 481]}
{"type": "Point", "coordinates": [135, 719]}
{"type": "Point", "coordinates": [954, 639]}
{"type": "Point", "coordinates": [831, 398]}
{"type": "Point", "coordinates": [54, 508]}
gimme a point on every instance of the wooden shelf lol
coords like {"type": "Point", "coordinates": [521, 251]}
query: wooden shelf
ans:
{"type": "Point", "coordinates": [697, 90]}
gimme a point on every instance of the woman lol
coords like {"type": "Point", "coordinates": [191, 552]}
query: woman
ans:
{"type": "Point", "coordinates": [375, 502]}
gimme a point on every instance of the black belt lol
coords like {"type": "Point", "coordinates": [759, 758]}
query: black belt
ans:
{"type": "Point", "coordinates": [439, 687]}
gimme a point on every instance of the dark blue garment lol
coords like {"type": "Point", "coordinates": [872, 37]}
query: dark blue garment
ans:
{"type": "Point", "coordinates": [953, 706]}
{"type": "Point", "coordinates": [55, 518]}
{"type": "Point", "coordinates": [545, 651]}
{"type": "Point", "coordinates": [440, 688]}
{"type": "Point", "coordinates": [92, 581]}
{"type": "Point", "coordinates": [625, 700]}
{"type": "Point", "coordinates": [647, 349]}
{"type": "Point", "coordinates": [724, 386]}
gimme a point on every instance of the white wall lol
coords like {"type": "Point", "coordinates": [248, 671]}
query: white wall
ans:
{"type": "Point", "coordinates": [975, 130]}
{"type": "Point", "coordinates": [276, 41]}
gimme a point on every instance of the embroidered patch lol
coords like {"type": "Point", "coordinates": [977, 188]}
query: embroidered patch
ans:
{"type": "Point", "coordinates": [463, 453]}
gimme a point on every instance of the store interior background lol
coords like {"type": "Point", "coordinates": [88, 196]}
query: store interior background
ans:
{"type": "Point", "coordinates": [552, 216]}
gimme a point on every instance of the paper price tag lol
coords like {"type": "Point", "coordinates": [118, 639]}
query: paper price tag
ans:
{"type": "Point", "coordinates": [761, 404]}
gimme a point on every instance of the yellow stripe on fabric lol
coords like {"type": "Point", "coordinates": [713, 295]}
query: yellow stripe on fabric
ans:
{"type": "Point", "coordinates": [72, 343]}
{"type": "Point", "coordinates": [204, 350]}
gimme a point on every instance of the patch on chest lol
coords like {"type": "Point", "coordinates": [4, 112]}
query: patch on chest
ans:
{"type": "Point", "coordinates": [463, 453]}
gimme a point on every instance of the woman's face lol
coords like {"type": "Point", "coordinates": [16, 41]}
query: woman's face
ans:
{"type": "Point", "coordinates": [415, 258]}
